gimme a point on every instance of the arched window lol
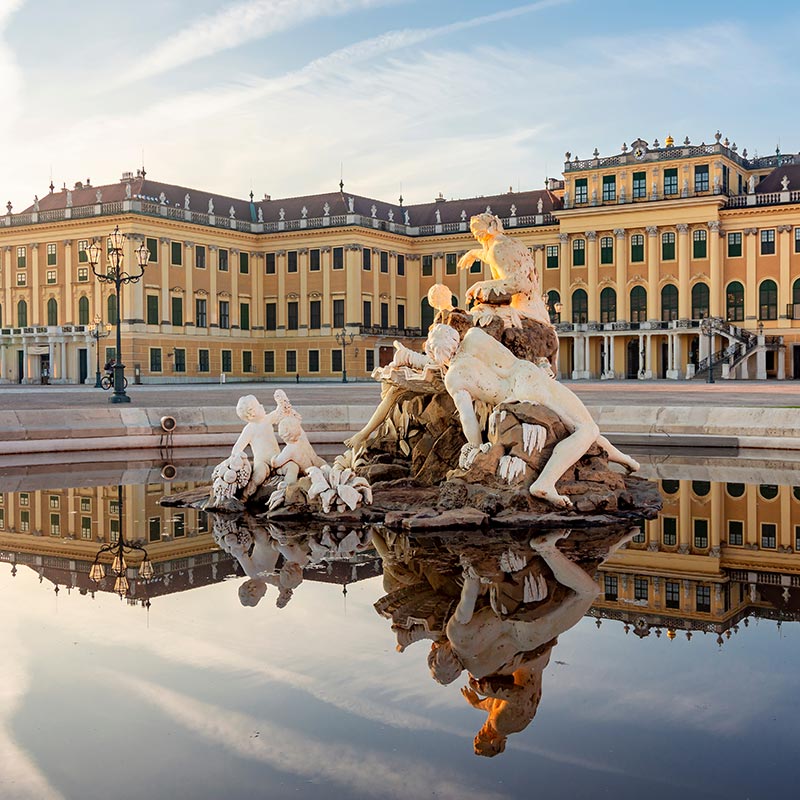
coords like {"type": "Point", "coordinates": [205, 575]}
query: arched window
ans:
{"type": "Point", "coordinates": [111, 314]}
{"type": "Point", "coordinates": [608, 305]}
{"type": "Point", "coordinates": [83, 311]}
{"type": "Point", "coordinates": [580, 306]}
{"type": "Point", "coordinates": [768, 300]}
{"type": "Point", "coordinates": [669, 302]}
{"type": "Point", "coordinates": [796, 300]}
{"type": "Point", "coordinates": [554, 306]}
{"type": "Point", "coordinates": [52, 312]}
{"type": "Point", "coordinates": [699, 301]}
{"type": "Point", "coordinates": [638, 304]}
{"type": "Point", "coordinates": [22, 314]}
{"type": "Point", "coordinates": [1, 316]}
{"type": "Point", "coordinates": [734, 302]}
{"type": "Point", "coordinates": [427, 315]}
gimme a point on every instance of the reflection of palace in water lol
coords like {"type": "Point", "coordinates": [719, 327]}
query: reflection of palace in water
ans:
{"type": "Point", "coordinates": [719, 553]}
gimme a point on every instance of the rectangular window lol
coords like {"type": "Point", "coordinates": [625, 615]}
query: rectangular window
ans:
{"type": "Point", "coordinates": [366, 258]}
{"type": "Point", "coordinates": [292, 315]}
{"type": "Point", "coordinates": [637, 247]}
{"type": "Point", "coordinates": [224, 314]}
{"type": "Point", "coordinates": [476, 266]}
{"type": "Point", "coordinates": [269, 361]}
{"type": "Point", "coordinates": [51, 255]}
{"type": "Point", "coordinates": [700, 533]}
{"type": "Point", "coordinates": [83, 274]}
{"type": "Point", "coordinates": [244, 263]}
{"type": "Point", "coordinates": [247, 361]}
{"type": "Point", "coordinates": [176, 254]}
{"type": "Point", "coordinates": [51, 276]}
{"type": "Point", "coordinates": [269, 264]}
{"type": "Point", "coordinates": [581, 190]}
{"type": "Point", "coordinates": [200, 257]}
{"type": "Point", "coordinates": [201, 312]}
{"type": "Point", "coordinates": [401, 259]}
{"type": "Point", "coordinates": [24, 521]}
{"type": "Point", "coordinates": [55, 524]}
{"type": "Point", "coordinates": [669, 530]}
{"type": "Point", "coordinates": [152, 246]}
{"type": "Point", "coordinates": [701, 178]}
{"type": "Point", "coordinates": [227, 361]}
{"type": "Point", "coordinates": [244, 316]}
{"type": "Point", "coordinates": [314, 260]}
{"type": "Point", "coordinates": [609, 188]}
{"type": "Point", "coordinates": [797, 240]}
{"type": "Point", "coordinates": [315, 315]}
{"type": "Point", "coordinates": [699, 244]}
{"type": "Point", "coordinates": [155, 359]}
{"type": "Point", "coordinates": [672, 594]}
{"type": "Point", "coordinates": [338, 257]}
{"type": "Point", "coordinates": [639, 185]}
{"type": "Point", "coordinates": [668, 246]}
{"type": "Point", "coordinates": [223, 260]}
{"type": "Point", "coordinates": [769, 535]}
{"type": "Point", "coordinates": [338, 314]}
{"type": "Point", "coordinates": [24, 499]}
{"type": "Point", "coordinates": [2, 519]}
{"type": "Point", "coordinates": [552, 256]}
{"type": "Point", "coordinates": [611, 587]}
{"type": "Point", "coordinates": [401, 315]}
{"type": "Point", "coordinates": [336, 360]}
{"type": "Point", "coordinates": [367, 313]}
{"type": "Point", "coordinates": [703, 598]}
{"type": "Point", "coordinates": [203, 363]}
{"type": "Point", "coordinates": [450, 262]}
{"type": "Point", "coordinates": [734, 245]}
{"type": "Point", "coordinates": [178, 526]}
{"type": "Point", "coordinates": [55, 501]}
{"type": "Point", "coordinates": [671, 181]}
{"type": "Point", "coordinates": [291, 261]}
{"type": "Point", "coordinates": [86, 504]}
{"type": "Point", "coordinates": [606, 250]}
{"type": "Point", "coordinates": [735, 532]}
{"type": "Point", "coordinates": [271, 317]}
{"type": "Point", "coordinates": [22, 257]}
{"type": "Point", "coordinates": [152, 310]}
{"type": "Point", "coordinates": [177, 311]}
{"type": "Point", "coordinates": [86, 527]}
{"type": "Point", "coordinates": [641, 588]}
{"type": "Point", "coordinates": [578, 252]}
{"type": "Point", "coordinates": [427, 266]}
{"type": "Point", "coordinates": [768, 242]}
{"type": "Point", "coordinates": [180, 359]}
{"type": "Point", "coordinates": [83, 256]}
{"type": "Point", "coordinates": [291, 361]}
{"type": "Point", "coordinates": [384, 315]}
{"type": "Point", "coordinates": [22, 279]}
{"type": "Point", "coordinates": [154, 529]}
{"type": "Point", "coordinates": [313, 360]}
{"type": "Point", "coordinates": [639, 538]}
{"type": "Point", "coordinates": [797, 538]}
{"type": "Point", "coordinates": [384, 261]}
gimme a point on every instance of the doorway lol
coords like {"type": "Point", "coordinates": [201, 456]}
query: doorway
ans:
{"type": "Point", "coordinates": [20, 365]}
{"type": "Point", "coordinates": [44, 368]}
{"type": "Point", "coordinates": [83, 365]}
{"type": "Point", "coordinates": [632, 361]}
{"type": "Point", "coordinates": [662, 367]}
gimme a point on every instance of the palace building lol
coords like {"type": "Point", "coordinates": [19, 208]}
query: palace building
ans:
{"type": "Point", "coordinates": [656, 262]}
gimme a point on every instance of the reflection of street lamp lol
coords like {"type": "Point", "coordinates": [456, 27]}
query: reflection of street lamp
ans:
{"type": "Point", "coordinates": [343, 341]}
{"type": "Point", "coordinates": [707, 327]}
{"type": "Point", "coordinates": [116, 275]}
{"type": "Point", "coordinates": [118, 550]}
{"type": "Point", "coordinates": [554, 309]}
{"type": "Point", "coordinates": [98, 331]}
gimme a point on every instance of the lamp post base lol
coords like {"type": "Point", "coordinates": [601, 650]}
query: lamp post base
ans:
{"type": "Point", "coordinates": [97, 384]}
{"type": "Point", "coordinates": [119, 398]}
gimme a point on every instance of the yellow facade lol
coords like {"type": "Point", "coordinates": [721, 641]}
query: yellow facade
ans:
{"type": "Point", "coordinates": [636, 248]}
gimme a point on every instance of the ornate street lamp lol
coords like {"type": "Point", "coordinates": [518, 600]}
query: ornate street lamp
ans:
{"type": "Point", "coordinates": [115, 274]}
{"type": "Point", "coordinates": [117, 551]}
{"type": "Point", "coordinates": [343, 341]}
{"type": "Point", "coordinates": [98, 331]}
{"type": "Point", "coordinates": [707, 327]}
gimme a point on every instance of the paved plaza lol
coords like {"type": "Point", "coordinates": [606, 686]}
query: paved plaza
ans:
{"type": "Point", "coordinates": [635, 393]}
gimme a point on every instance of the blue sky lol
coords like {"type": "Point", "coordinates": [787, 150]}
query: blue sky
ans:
{"type": "Point", "coordinates": [453, 96]}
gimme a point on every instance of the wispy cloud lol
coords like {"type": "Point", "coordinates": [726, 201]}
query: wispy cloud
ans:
{"type": "Point", "coordinates": [237, 24]}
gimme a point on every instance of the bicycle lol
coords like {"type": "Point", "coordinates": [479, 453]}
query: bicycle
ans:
{"type": "Point", "coordinates": [107, 382]}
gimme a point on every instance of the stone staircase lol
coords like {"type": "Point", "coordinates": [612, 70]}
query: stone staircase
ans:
{"type": "Point", "coordinates": [742, 344]}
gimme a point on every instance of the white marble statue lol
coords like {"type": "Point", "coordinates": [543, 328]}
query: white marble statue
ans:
{"type": "Point", "coordinates": [513, 273]}
{"type": "Point", "coordinates": [230, 477]}
{"type": "Point", "coordinates": [298, 455]}
{"type": "Point", "coordinates": [438, 215]}
{"type": "Point", "coordinates": [260, 214]}
{"type": "Point", "coordinates": [232, 212]}
{"type": "Point", "coordinates": [128, 191]}
{"type": "Point", "coordinates": [186, 199]}
{"type": "Point", "coordinates": [351, 204]}
{"type": "Point", "coordinates": [480, 368]}
{"type": "Point", "coordinates": [210, 205]}
{"type": "Point", "coordinates": [406, 218]}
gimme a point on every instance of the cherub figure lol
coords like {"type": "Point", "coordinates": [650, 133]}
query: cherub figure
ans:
{"type": "Point", "coordinates": [481, 368]}
{"type": "Point", "coordinates": [513, 270]}
{"type": "Point", "coordinates": [298, 455]}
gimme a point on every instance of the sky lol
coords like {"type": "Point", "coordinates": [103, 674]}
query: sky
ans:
{"type": "Point", "coordinates": [466, 98]}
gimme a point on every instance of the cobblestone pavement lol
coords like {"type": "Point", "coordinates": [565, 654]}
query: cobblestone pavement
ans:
{"type": "Point", "coordinates": [634, 393]}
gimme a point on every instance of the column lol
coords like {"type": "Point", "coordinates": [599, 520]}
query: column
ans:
{"type": "Point", "coordinates": [653, 535]}
{"type": "Point", "coordinates": [611, 366]}
{"type": "Point", "coordinates": [684, 517]}
{"type": "Point", "coordinates": [684, 290]}
{"type": "Point", "coordinates": [621, 260]}
{"type": "Point", "coordinates": [563, 276]}
{"type": "Point", "coordinates": [393, 288]}
{"type": "Point", "coordinates": [164, 301]}
{"type": "Point", "coordinates": [63, 374]}
{"type": "Point", "coordinates": [653, 295]}
{"type": "Point", "coordinates": [129, 264]}
{"type": "Point", "coordinates": [463, 277]}
{"type": "Point", "coordinates": [234, 273]}
{"type": "Point", "coordinates": [353, 310]}
{"type": "Point", "coordinates": [136, 308]}
{"type": "Point", "coordinates": [213, 304]}
{"type": "Point", "coordinates": [438, 267]}
{"type": "Point", "coordinates": [785, 282]}
{"type": "Point", "coordinates": [785, 529]}
{"type": "Point", "coordinates": [715, 267]}
{"type": "Point", "coordinates": [327, 301]}
{"type": "Point", "coordinates": [51, 354]}
{"type": "Point", "coordinates": [302, 266]}
{"type": "Point", "coordinates": [36, 293]}
{"type": "Point", "coordinates": [71, 313]}
{"type": "Point", "coordinates": [715, 523]}
{"type": "Point", "coordinates": [750, 284]}
{"type": "Point", "coordinates": [578, 353]}
{"type": "Point", "coordinates": [648, 372]}
{"type": "Point", "coordinates": [752, 533]}
{"type": "Point", "coordinates": [593, 276]}
{"type": "Point", "coordinates": [538, 260]}
{"type": "Point", "coordinates": [413, 299]}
